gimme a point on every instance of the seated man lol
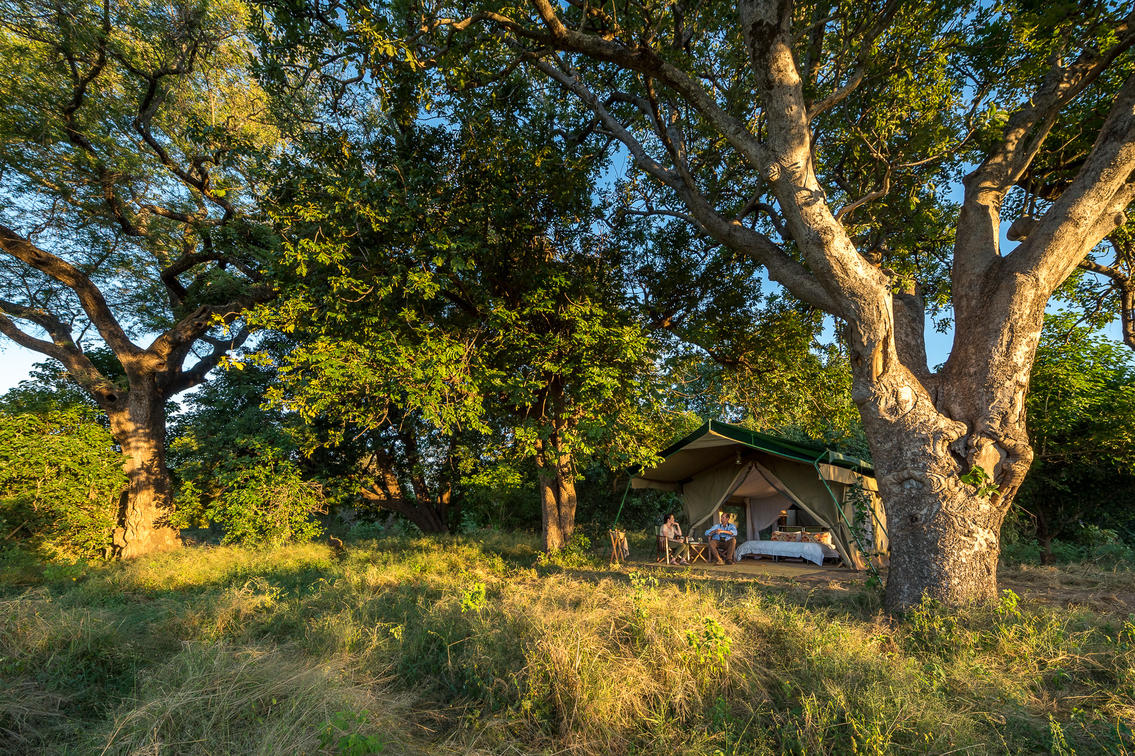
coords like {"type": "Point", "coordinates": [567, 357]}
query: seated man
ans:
{"type": "Point", "coordinates": [723, 538]}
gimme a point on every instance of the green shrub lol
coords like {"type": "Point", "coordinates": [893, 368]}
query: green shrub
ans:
{"type": "Point", "coordinates": [575, 554]}
{"type": "Point", "coordinates": [60, 480]}
{"type": "Point", "coordinates": [258, 496]}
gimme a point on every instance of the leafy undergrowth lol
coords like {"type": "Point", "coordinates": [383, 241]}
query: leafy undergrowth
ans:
{"type": "Point", "coordinates": [475, 645]}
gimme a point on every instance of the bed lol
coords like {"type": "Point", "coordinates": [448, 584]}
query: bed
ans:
{"type": "Point", "coordinates": [812, 552]}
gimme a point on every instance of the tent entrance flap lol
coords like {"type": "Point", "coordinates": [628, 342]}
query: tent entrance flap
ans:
{"type": "Point", "coordinates": [707, 492]}
{"type": "Point", "coordinates": [763, 501]}
{"type": "Point", "coordinates": [838, 539]}
{"type": "Point", "coordinates": [765, 494]}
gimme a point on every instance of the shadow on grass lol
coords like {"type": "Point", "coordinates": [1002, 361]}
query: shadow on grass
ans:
{"type": "Point", "coordinates": [472, 625]}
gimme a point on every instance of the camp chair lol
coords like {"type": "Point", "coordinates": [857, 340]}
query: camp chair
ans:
{"type": "Point", "coordinates": [620, 551]}
{"type": "Point", "coordinates": [664, 551]}
{"type": "Point", "coordinates": [662, 545]}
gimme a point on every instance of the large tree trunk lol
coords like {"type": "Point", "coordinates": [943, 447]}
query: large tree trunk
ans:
{"type": "Point", "coordinates": [556, 479]}
{"type": "Point", "coordinates": [138, 423]}
{"type": "Point", "coordinates": [944, 535]}
{"type": "Point", "coordinates": [927, 432]}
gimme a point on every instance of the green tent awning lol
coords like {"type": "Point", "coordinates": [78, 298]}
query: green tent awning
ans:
{"type": "Point", "coordinates": [715, 442]}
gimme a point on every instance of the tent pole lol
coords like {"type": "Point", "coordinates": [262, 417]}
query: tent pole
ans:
{"type": "Point", "coordinates": [839, 508]}
{"type": "Point", "coordinates": [626, 491]}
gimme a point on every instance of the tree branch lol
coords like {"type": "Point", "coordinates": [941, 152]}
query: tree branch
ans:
{"type": "Point", "coordinates": [782, 268]}
{"type": "Point", "coordinates": [860, 290]}
{"type": "Point", "coordinates": [64, 350]}
{"type": "Point", "coordinates": [979, 222]}
{"type": "Point", "coordinates": [67, 274]}
{"type": "Point", "coordinates": [644, 60]}
{"type": "Point", "coordinates": [1092, 206]}
{"type": "Point", "coordinates": [178, 339]}
{"type": "Point", "coordinates": [184, 379]}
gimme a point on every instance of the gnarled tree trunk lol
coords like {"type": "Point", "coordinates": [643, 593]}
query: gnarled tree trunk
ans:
{"type": "Point", "coordinates": [927, 432]}
{"type": "Point", "coordinates": [138, 423]}
{"type": "Point", "coordinates": [428, 507]}
{"type": "Point", "coordinates": [944, 533]}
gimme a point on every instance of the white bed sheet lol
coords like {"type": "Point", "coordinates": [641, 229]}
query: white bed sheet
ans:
{"type": "Point", "coordinates": [813, 552]}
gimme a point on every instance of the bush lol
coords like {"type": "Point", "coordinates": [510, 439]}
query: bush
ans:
{"type": "Point", "coordinates": [258, 496]}
{"type": "Point", "coordinates": [1092, 544]}
{"type": "Point", "coordinates": [60, 480]}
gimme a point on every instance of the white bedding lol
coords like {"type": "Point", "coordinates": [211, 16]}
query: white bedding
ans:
{"type": "Point", "coordinates": [813, 552]}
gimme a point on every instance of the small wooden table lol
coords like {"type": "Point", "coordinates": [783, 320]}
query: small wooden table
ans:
{"type": "Point", "coordinates": [699, 550]}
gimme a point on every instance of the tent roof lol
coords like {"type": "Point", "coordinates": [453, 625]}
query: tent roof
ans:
{"type": "Point", "coordinates": [715, 442]}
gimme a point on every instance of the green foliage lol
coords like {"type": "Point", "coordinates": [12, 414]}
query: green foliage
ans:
{"type": "Point", "coordinates": [1084, 544]}
{"type": "Point", "coordinates": [48, 387]}
{"type": "Point", "coordinates": [1009, 604]}
{"type": "Point", "coordinates": [862, 522]}
{"type": "Point", "coordinates": [473, 599]}
{"type": "Point", "coordinates": [60, 480]}
{"type": "Point", "coordinates": [239, 464]}
{"type": "Point", "coordinates": [1059, 741]}
{"type": "Point", "coordinates": [454, 302]}
{"type": "Point", "coordinates": [258, 496]}
{"type": "Point", "coordinates": [340, 736]}
{"type": "Point", "coordinates": [1081, 412]}
{"type": "Point", "coordinates": [574, 555]}
{"type": "Point", "coordinates": [711, 647]}
{"type": "Point", "coordinates": [932, 628]}
{"type": "Point", "coordinates": [981, 481]}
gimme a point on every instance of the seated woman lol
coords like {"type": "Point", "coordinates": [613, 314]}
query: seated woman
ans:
{"type": "Point", "coordinates": [672, 532]}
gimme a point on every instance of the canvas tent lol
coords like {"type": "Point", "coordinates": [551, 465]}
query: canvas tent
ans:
{"type": "Point", "coordinates": [720, 464]}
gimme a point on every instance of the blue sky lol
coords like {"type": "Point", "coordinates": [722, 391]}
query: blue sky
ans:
{"type": "Point", "coordinates": [15, 362]}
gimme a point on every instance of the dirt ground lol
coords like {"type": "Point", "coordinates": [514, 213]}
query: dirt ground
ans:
{"type": "Point", "coordinates": [1102, 590]}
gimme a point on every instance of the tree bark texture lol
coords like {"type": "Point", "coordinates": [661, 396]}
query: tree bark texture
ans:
{"type": "Point", "coordinates": [556, 480]}
{"type": "Point", "coordinates": [927, 432]}
{"type": "Point", "coordinates": [138, 423]}
{"type": "Point", "coordinates": [137, 412]}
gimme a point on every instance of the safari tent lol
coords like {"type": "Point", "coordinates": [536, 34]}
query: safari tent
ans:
{"type": "Point", "coordinates": [721, 465]}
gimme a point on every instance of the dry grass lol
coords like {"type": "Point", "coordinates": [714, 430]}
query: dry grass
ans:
{"type": "Point", "coordinates": [212, 699]}
{"type": "Point", "coordinates": [475, 645]}
{"type": "Point", "coordinates": [1102, 590]}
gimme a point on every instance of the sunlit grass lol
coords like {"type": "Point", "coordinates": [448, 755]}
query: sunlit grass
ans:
{"type": "Point", "coordinates": [456, 645]}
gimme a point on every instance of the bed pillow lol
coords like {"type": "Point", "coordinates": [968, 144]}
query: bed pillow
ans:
{"type": "Point", "coordinates": [779, 535]}
{"type": "Point", "coordinates": [824, 538]}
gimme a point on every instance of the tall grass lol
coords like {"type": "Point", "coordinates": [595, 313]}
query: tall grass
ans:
{"type": "Point", "coordinates": [214, 698]}
{"type": "Point", "coordinates": [474, 644]}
